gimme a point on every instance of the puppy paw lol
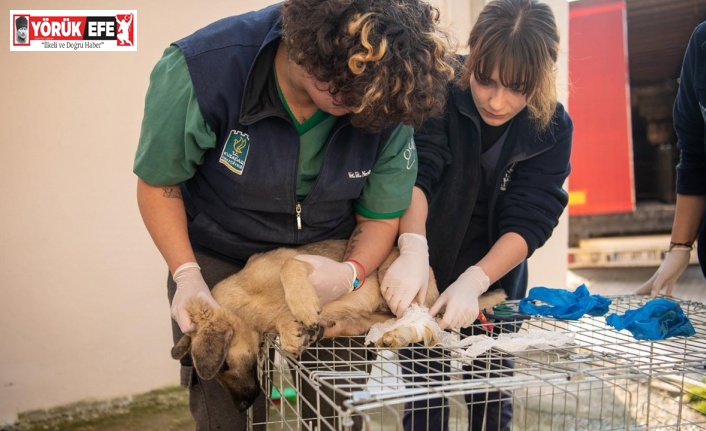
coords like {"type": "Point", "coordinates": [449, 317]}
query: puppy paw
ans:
{"type": "Point", "coordinates": [400, 337]}
{"type": "Point", "coordinates": [309, 315]}
{"type": "Point", "coordinates": [295, 338]}
{"type": "Point", "coordinates": [300, 296]}
{"type": "Point", "coordinates": [403, 336]}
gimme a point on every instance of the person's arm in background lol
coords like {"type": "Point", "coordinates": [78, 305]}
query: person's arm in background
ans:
{"type": "Point", "coordinates": [691, 181]}
{"type": "Point", "coordinates": [688, 215]}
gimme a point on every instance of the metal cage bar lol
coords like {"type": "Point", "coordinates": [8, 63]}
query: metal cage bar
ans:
{"type": "Point", "coordinates": [603, 380]}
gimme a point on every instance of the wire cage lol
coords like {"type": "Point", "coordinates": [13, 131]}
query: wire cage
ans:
{"type": "Point", "coordinates": [571, 375]}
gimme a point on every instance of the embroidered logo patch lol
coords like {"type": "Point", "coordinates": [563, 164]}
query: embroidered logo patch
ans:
{"type": "Point", "coordinates": [235, 151]}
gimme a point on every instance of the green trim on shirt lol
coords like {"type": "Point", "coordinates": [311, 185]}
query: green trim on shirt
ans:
{"type": "Point", "coordinates": [369, 214]}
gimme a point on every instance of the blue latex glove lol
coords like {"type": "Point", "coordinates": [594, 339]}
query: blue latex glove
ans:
{"type": "Point", "coordinates": [563, 304]}
{"type": "Point", "coordinates": [656, 320]}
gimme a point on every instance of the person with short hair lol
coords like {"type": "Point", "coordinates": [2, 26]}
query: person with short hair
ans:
{"type": "Point", "coordinates": [282, 127]}
{"type": "Point", "coordinates": [489, 190]}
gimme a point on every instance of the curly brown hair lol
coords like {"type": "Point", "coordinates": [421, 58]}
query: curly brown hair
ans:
{"type": "Point", "coordinates": [389, 59]}
{"type": "Point", "coordinates": [521, 39]}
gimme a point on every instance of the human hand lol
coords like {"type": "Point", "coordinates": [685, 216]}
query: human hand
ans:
{"type": "Point", "coordinates": [190, 283]}
{"type": "Point", "coordinates": [669, 271]}
{"type": "Point", "coordinates": [330, 279]}
{"type": "Point", "coordinates": [459, 302]}
{"type": "Point", "coordinates": [408, 276]}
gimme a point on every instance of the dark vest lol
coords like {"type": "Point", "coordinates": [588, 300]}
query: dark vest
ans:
{"type": "Point", "coordinates": [239, 207]}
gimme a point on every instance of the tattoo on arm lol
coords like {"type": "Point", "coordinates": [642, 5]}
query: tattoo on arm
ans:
{"type": "Point", "coordinates": [171, 192]}
{"type": "Point", "coordinates": [351, 243]}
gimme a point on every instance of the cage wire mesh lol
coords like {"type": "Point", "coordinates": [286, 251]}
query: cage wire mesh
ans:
{"type": "Point", "coordinates": [602, 379]}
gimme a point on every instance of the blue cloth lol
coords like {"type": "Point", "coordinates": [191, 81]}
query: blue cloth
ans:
{"type": "Point", "coordinates": [656, 320]}
{"type": "Point", "coordinates": [564, 304]}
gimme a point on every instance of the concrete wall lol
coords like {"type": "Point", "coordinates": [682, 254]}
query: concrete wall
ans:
{"type": "Point", "coordinates": [548, 266]}
{"type": "Point", "coordinates": [83, 308]}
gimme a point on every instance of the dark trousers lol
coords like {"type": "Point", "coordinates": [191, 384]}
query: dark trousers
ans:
{"type": "Point", "coordinates": [487, 410]}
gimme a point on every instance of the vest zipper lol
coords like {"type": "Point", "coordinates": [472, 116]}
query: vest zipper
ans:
{"type": "Point", "coordinates": [298, 210]}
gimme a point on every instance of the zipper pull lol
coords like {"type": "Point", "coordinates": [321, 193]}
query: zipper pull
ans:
{"type": "Point", "coordinates": [298, 210]}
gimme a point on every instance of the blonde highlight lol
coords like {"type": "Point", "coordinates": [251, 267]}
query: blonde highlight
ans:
{"type": "Point", "coordinates": [388, 60]}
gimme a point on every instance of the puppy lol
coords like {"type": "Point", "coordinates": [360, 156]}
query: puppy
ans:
{"type": "Point", "coordinates": [272, 294]}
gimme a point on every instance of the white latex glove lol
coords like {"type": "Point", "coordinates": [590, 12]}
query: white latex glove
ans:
{"type": "Point", "coordinates": [668, 272]}
{"type": "Point", "coordinates": [459, 302]}
{"type": "Point", "coordinates": [329, 278]}
{"type": "Point", "coordinates": [408, 276]}
{"type": "Point", "coordinates": [189, 283]}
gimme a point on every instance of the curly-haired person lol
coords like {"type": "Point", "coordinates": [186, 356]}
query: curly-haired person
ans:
{"type": "Point", "coordinates": [281, 127]}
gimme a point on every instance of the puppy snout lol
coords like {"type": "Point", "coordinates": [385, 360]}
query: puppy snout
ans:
{"type": "Point", "coordinates": [245, 397]}
{"type": "Point", "coordinates": [241, 382]}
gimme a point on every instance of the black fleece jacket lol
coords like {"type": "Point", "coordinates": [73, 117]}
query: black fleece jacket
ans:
{"type": "Point", "coordinates": [527, 196]}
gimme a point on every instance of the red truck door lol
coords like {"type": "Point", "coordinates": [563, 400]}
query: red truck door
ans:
{"type": "Point", "coordinates": [601, 180]}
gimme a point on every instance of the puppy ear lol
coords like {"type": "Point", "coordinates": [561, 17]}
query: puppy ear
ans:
{"type": "Point", "coordinates": [210, 348]}
{"type": "Point", "coordinates": [181, 348]}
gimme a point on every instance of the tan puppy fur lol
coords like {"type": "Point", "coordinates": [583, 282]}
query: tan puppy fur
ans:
{"type": "Point", "coordinates": [272, 294]}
